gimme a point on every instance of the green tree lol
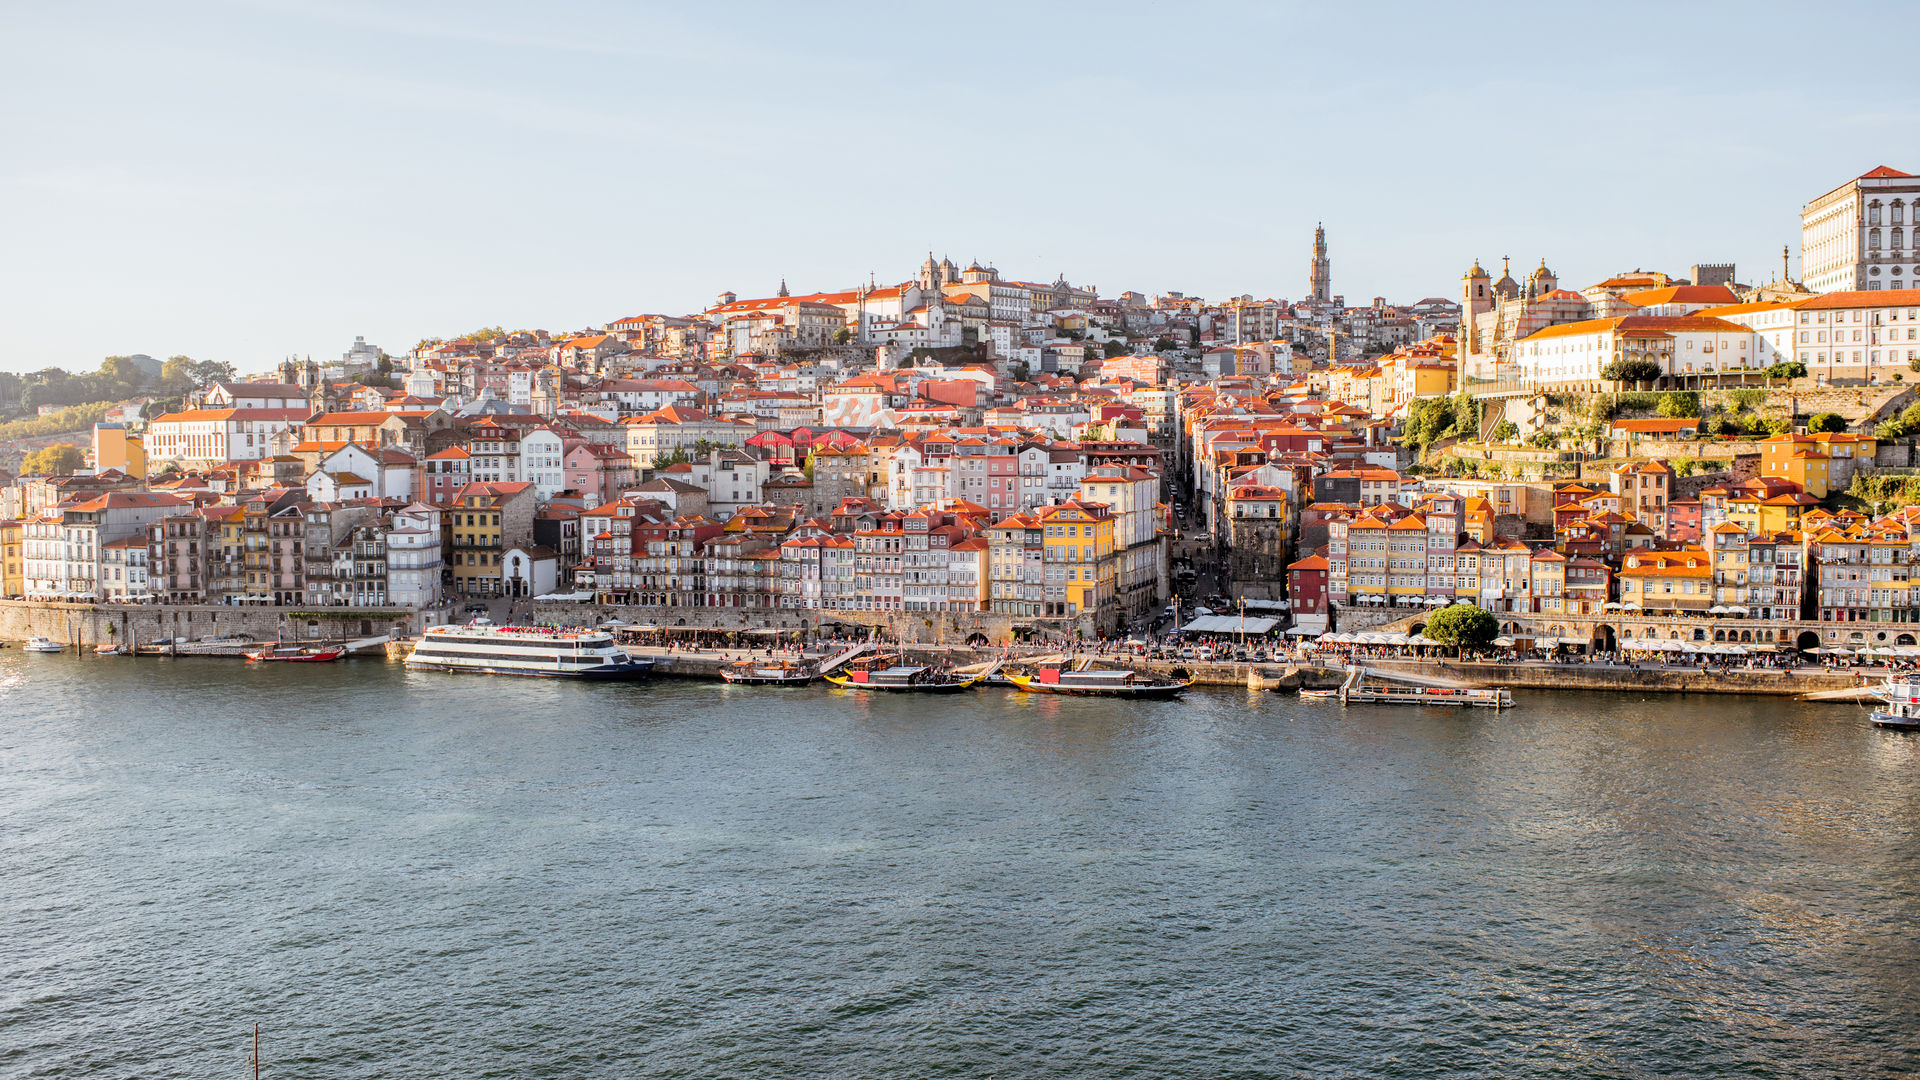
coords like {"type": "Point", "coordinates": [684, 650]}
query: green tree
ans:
{"type": "Point", "coordinates": [1505, 431]}
{"type": "Point", "coordinates": [842, 336]}
{"type": "Point", "coordinates": [1678, 404]}
{"type": "Point", "coordinates": [59, 459]}
{"type": "Point", "coordinates": [1163, 344]}
{"type": "Point", "coordinates": [1820, 423]}
{"type": "Point", "coordinates": [1114, 347]}
{"type": "Point", "coordinates": [1634, 370]}
{"type": "Point", "coordinates": [1790, 369]}
{"type": "Point", "coordinates": [1463, 626]}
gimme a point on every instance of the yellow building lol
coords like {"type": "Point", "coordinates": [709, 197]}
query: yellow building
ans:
{"type": "Point", "coordinates": [115, 448]}
{"type": "Point", "coordinates": [1798, 458]}
{"type": "Point", "coordinates": [12, 579]}
{"type": "Point", "coordinates": [1667, 580]}
{"type": "Point", "coordinates": [1078, 560]}
{"type": "Point", "coordinates": [474, 525]}
{"type": "Point", "coordinates": [1761, 516]}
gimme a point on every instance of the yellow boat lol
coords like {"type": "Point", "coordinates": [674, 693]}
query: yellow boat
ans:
{"type": "Point", "coordinates": [909, 678]}
{"type": "Point", "coordinates": [1098, 683]}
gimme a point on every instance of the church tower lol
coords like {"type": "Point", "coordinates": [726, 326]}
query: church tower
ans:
{"type": "Point", "coordinates": [1320, 279]}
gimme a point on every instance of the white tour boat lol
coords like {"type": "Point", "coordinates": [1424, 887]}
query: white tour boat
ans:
{"type": "Point", "coordinates": [41, 644]}
{"type": "Point", "coordinates": [1901, 705]}
{"type": "Point", "coordinates": [525, 650]}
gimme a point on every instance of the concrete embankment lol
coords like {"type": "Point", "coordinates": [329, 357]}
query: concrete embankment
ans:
{"type": "Point", "coordinates": [1628, 680]}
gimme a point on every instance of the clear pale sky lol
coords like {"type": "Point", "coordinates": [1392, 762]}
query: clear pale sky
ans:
{"type": "Point", "coordinates": [247, 180]}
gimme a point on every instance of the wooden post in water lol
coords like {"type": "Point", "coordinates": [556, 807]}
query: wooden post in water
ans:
{"type": "Point", "coordinates": [256, 1051]}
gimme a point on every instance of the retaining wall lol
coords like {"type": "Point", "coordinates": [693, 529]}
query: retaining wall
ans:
{"type": "Point", "coordinates": [121, 624]}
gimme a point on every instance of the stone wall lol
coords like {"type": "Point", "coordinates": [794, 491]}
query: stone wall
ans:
{"type": "Point", "coordinates": [138, 624]}
{"type": "Point", "coordinates": [1629, 680]}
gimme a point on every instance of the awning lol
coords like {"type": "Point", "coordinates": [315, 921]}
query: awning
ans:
{"type": "Point", "coordinates": [1230, 624]}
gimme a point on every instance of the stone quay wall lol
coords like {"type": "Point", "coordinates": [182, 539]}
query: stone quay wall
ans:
{"type": "Point", "coordinates": [1624, 680]}
{"type": "Point", "coordinates": [88, 625]}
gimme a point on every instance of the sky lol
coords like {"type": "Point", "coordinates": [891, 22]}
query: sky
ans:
{"type": "Point", "coordinates": [248, 180]}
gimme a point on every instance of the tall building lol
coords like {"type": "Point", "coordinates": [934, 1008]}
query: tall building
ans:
{"type": "Point", "coordinates": [1320, 279]}
{"type": "Point", "coordinates": [1860, 235]}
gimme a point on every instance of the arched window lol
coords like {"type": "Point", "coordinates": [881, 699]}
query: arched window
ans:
{"type": "Point", "coordinates": [1873, 239]}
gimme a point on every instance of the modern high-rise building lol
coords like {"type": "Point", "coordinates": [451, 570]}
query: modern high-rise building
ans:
{"type": "Point", "coordinates": [1320, 278]}
{"type": "Point", "coordinates": [1860, 235]}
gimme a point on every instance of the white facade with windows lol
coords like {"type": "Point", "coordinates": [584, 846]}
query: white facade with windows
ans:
{"type": "Point", "coordinates": [1866, 336]}
{"type": "Point", "coordinates": [1860, 235]}
{"type": "Point", "coordinates": [217, 436]}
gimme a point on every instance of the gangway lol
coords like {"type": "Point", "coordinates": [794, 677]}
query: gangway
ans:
{"type": "Point", "coordinates": [833, 662]}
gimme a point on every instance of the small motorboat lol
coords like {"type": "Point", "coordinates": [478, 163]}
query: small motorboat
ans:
{"type": "Point", "coordinates": [1321, 695]}
{"type": "Point", "coordinates": [111, 650]}
{"type": "Point", "coordinates": [766, 673]}
{"type": "Point", "coordinates": [1902, 706]}
{"type": "Point", "coordinates": [275, 652]}
{"type": "Point", "coordinates": [42, 644]}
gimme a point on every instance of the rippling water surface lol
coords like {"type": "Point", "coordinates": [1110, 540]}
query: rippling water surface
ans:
{"type": "Point", "coordinates": [426, 875]}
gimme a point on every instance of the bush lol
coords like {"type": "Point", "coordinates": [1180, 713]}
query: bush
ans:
{"type": "Point", "coordinates": [1505, 431]}
{"type": "Point", "coordinates": [1789, 369]}
{"type": "Point", "coordinates": [1679, 403]}
{"type": "Point", "coordinates": [1821, 423]}
{"type": "Point", "coordinates": [1751, 397]}
{"type": "Point", "coordinates": [1463, 626]}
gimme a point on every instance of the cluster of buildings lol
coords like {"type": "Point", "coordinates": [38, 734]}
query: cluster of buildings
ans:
{"type": "Point", "coordinates": [963, 442]}
{"type": "Point", "coordinates": [1853, 316]}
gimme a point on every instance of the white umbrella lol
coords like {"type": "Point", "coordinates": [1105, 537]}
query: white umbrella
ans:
{"type": "Point", "coordinates": [1503, 642]}
{"type": "Point", "coordinates": [1717, 609]}
{"type": "Point", "coordinates": [1736, 609]}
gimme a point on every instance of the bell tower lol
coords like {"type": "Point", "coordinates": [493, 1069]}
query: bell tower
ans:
{"type": "Point", "coordinates": [1320, 278]}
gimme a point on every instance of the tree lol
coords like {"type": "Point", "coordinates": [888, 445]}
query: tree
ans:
{"type": "Point", "coordinates": [842, 336]}
{"type": "Point", "coordinates": [1792, 369]}
{"type": "Point", "coordinates": [1505, 431]}
{"type": "Point", "coordinates": [1679, 404]}
{"type": "Point", "coordinates": [60, 459]}
{"type": "Point", "coordinates": [1821, 423]}
{"type": "Point", "coordinates": [1463, 626]}
{"type": "Point", "coordinates": [1634, 370]}
{"type": "Point", "coordinates": [1114, 347]}
{"type": "Point", "coordinates": [1163, 344]}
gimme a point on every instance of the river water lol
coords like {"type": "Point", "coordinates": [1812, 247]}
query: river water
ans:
{"type": "Point", "coordinates": [429, 875]}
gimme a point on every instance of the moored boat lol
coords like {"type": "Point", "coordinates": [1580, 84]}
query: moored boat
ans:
{"type": "Point", "coordinates": [1901, 705]}
{"type": "Point", "coordinates": [541, 651]}
{"type": "Point", "coordinates": [869, 674]}
{"type": "Point", "coordinates": [1099, 682]}
{"type": "Point", "coordinates": [1489, 697]}
{"type": "Point", "coordinates": [42, 644]}
{"type": "Point", "coordinates": [767, 673]}
{"type": "Point", "coordinates": [279, 652]}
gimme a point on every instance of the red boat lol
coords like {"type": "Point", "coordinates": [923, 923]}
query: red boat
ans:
{"type": "Point", "coordinates": [277, 653]}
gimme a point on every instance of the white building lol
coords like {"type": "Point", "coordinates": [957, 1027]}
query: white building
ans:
{"type": "Point", "coordinates": [217, 436]}
{"type": "Point", "coordinates": [1687, 347]}
{"type": "Point", "coordinates": [123, 570]}
{"type": "Point", "coordinates": [543, 462]}
{"type": "Point", "coordinates": [1860, 235]}
{"type": "Point", "coordinates": [413, 557]}
{"type": "Point", "coordinates": [61, 550]}
{"type": "Point", "coordinates": [1866, 336]}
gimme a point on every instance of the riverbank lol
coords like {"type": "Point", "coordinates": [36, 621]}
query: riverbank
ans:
{"type": "Point", "coordinates": [1768, 682]}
